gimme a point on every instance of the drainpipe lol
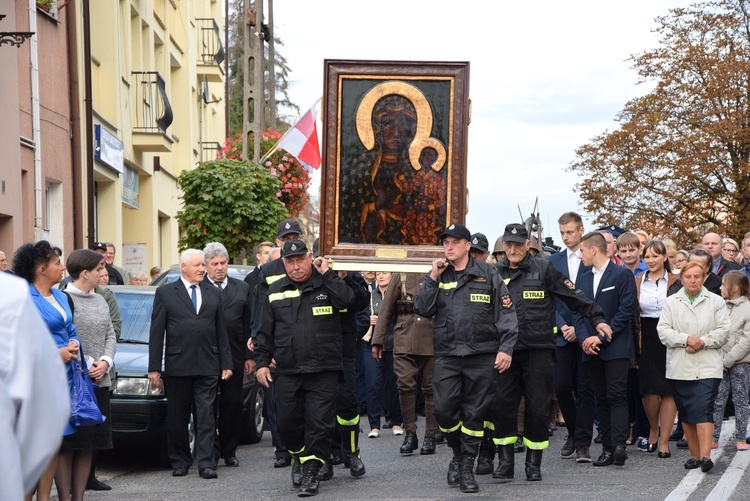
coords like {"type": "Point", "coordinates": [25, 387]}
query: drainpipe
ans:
{"type": "Point", "coordinates": [89, 105]}
{"type": "Point", "coordinates": [75, 118]}
{"type": "Point", "coordinates": [36, 135]}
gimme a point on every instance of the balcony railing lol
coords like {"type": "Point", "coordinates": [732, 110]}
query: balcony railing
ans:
{"type": "Point", "coordinates": [210, 150]}
{"type": "Point", "coordinates": [210, 48]}
{"type": "Point", "coordinates": [153, 113]}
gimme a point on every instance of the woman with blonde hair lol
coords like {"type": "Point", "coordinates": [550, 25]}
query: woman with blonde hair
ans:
{"type": "Point", "coordinates": [694, 325]}
{"type": "Point", "coordinates": [735, 288]}
{"type": "Point", "coordinates": [730, 251]}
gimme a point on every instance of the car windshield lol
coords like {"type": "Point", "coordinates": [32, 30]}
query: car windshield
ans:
{"type": "Point", "coordinates": [136, 316]}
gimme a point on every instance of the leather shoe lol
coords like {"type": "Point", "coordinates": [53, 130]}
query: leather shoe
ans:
{"type": "Point", "coordinates": [598, 438]}
{"type": "Point", "coordinates": [620, 455]}
{"type": "Point", "coordinates": [208, 473]}
{"type": "Point", "coordinates": [282, 462]}
{"type": "Point", "coordinates": [605, 459]}
{"type": "Point", "coordinates": [682, 444]}
{"type": "Point", "coordinates": [95, 484]}
{"type": "Point", "coordinates": [179, 472]}
{"type": "Point", "coordinates": [675, 436]}
{"type": "Point", "coordinates": [387, 425]}
{"type": "Point", "coordinates": [232, 461]}
{"type": "Point", "coordinates": [692, 464]}
{"type": "Point", "coordinates": [706, 464]}
{"type": "Point", "coordinates": [664, 455]}
{"type": "Point", "coordinates": [428, 446]}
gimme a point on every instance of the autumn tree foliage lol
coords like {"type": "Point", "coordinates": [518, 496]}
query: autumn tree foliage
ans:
{"type": "Point", "coordinates": [678, 164]}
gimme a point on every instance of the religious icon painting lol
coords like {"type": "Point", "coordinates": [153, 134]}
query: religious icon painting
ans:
{"type": "Point", "coordinates": [394, 159]}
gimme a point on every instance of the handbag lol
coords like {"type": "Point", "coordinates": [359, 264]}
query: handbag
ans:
{"type": "Point", "coordinates": [84, 408]}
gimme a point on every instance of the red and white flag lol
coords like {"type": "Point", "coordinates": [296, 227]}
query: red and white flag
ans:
{"type": "Point", "coordinates": [301, 140]}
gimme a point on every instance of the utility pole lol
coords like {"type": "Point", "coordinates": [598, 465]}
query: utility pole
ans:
{"type": "Point", "coordinates": [271, 70]}
{"type": "Point", "coordinates": [253, 101]}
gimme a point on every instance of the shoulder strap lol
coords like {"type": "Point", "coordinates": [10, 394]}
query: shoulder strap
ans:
{"type": "Point", "coordinates": [70, 303]}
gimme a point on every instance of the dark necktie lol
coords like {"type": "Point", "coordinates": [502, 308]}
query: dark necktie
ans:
{"type": "Point", "coordinates": [220, 285]}
{"type": "Point", "coordinates": [194, 297]}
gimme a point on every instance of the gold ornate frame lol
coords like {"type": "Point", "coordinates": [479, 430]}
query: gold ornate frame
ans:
{"type": "Point", "coordinates": [439, 93]}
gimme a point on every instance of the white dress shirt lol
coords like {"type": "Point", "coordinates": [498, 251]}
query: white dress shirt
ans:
{"type": "Point", "coordinates": [190, 292]}
{"type": "Point", "coordinates": [598, 275]}
{"type": "Point", "coordinates": [574, 262]}
{"type": "Point", "coordinates": [653, 295]}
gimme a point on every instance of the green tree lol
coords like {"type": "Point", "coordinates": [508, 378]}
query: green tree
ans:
{"type": "Point", "coordinates": [229, 201]}
{"type": "Point", "coordinates": [679, 163]}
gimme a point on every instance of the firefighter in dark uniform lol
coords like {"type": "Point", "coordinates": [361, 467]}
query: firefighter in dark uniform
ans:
{"type": "Point", "coordinates": [533, 284]}
{"type": "Point", "coordinates": [475, 329]}
{"type": "Point", "coordinates": [301, 332]}
{"type": "Point", "coordinates": [347, 408]}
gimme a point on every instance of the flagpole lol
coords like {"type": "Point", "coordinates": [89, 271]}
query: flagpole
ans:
{"type": "Point", "coordinates": [276, 146]}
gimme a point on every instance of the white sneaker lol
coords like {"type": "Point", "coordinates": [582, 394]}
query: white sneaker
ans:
{"type": "Point", "coordinates": [374, 433]}
{"type": "Point", "coordinates": [397, 430]}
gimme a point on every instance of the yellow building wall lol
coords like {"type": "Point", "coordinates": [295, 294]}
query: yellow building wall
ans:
{"type": "Point", "coordinates": [151, 36]}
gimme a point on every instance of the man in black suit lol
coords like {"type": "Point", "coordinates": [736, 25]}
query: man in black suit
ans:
{"type": "Point", "coordinates": [197, 352]}
{"type": "Point", "coordinates": [235, 300]}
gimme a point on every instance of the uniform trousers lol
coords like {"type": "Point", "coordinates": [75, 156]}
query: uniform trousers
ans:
{"type": "Point", "coordinates": [305, 413]}
{"type": "Point", "coordinates": [409, 369]}
{"type": "Point", "coordinates": [530, 375]}
{"type": "Point", "coordinates": [463, 396]}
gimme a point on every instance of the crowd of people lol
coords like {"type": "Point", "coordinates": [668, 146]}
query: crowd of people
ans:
{"type": "Point", "coordinates": [615, 338]}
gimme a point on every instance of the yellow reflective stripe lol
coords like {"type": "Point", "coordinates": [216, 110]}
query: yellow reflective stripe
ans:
{"type": "Point", "coordinates": [297, 452]}
{"type": "Point", "coordinates": [506, 281]}
{"type": "Point", "coordinates": [322, 310]}
{"type": "Point", "coordinates": [448, 285]}
{"type": "Point", "coordinates": [480, 298]}
{"type": "Point", "coordinates": [344, 310]}
{"type": "Point", "coordinates": [278, 296]}
{"type": "Point", "coordinates": [344, 422]}
{"type": "Point", "coordinates": [505, 440]}
{"type": "Point", "coordinates": [304, 459]}
{"type": "Point", "coordinates": [536, 446]}
{"type": "Point", "coordinates": [533, 294]}
{"type": "Point", "coordinates": [472, 433]}
{"type": "Point", "coordinates": [489, 425]}
{"type": "Point", "coordinates": [450, 430]}
{"type": "Point", "coordinates": [554, 330]}
{"type": "Point", "coordinates": [273, 278]}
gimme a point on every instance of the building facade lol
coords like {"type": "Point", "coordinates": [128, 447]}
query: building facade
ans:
{"type": "Point", "coordinates": [149, 104]}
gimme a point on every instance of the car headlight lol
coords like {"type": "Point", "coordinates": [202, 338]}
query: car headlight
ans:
{"type": "Point", "coordinates": [135, 386]}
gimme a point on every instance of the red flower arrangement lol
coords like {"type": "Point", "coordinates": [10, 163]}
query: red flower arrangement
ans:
{"type": "Point", "coordinates": [294, 177]}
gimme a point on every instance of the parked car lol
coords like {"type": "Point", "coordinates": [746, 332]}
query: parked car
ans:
{"type": "Point", "coordinates": [139, 411]}
{"type": "Point", "coordinates": [237, 271]}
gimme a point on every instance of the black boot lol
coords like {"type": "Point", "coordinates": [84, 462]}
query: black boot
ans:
{"type": "Point", "coordinates": [505, 463]}
{"type": "Point", "coordinates": [454, 477]}
{"type": "Point", "coordinates": [310, 484]}
{"type": "Point", "coordinates": [350, 439]}
{"type": "Point", "coordinates": [486, 457]}
{"type": "Point", "coordinates": [466, 470]}
{"type": "Point", "coordinates": [439, 437]}
{"type": "Point", "coordinates": [326, 471]}
{"type": "Point", "coordinates": [296, 471]}
{"type": "Point", "coordinates": [428, 445]}
{"type": "Point", "coordinates": [410, 443]}
{"type": "Point", "coordinates": [533, 465]}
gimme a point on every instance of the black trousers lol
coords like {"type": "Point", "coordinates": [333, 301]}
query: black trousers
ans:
{"type": "Point", "coordinates": [463, 396]}
{"type": "Point", "coordinates": [610, 381]}
{"type": "Point", "coordinates": [530, 375]}
{"type": "Point", "coordinates": [230, 414]}
{"type": "Point", "coordinates": [346, 394]}
{"type": "Point", "coordinates": [184, 393]}
{"type": "Point", "coordinates": [305, 413]}
{"type": "Point", "coordinates": [269, 409]}
{"type": "Point", "coordinates": [575, 396]}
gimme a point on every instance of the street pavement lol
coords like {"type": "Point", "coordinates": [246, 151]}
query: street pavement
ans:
{"type": "Point", "coordinates": [133, 476]}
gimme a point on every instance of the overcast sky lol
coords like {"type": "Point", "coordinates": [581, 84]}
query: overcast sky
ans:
{"type": "Point", "coordinates": [545, 78]}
